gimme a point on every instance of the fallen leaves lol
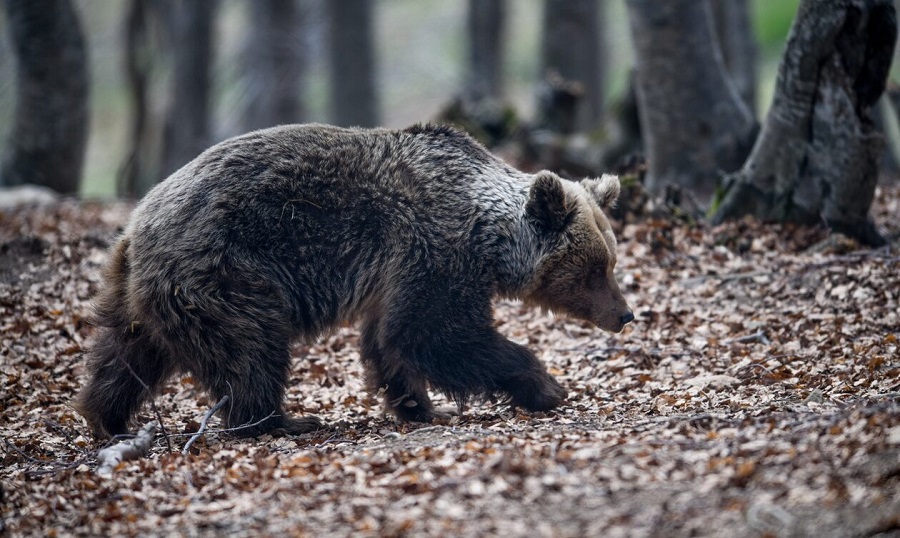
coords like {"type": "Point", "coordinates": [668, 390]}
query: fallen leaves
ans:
{"type": "Point", "coordinates": [758, 391]}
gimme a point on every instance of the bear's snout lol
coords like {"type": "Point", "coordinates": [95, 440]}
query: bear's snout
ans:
{"type": "Point", "coordinates": [627, 318]}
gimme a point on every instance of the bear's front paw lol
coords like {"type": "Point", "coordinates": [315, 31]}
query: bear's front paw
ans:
{"type": "Point", "coordinates": [536, 392]}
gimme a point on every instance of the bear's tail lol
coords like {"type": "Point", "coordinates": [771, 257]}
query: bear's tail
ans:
{"type": "Point", "coordinates": [125, 366]}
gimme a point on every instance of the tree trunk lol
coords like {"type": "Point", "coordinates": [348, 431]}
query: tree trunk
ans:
{"type": "Point", "coordinates": [694, 124]}
{"type": "Point", "coordinates": [734, 31]}
{"type": "Point", "coordinates": [571, 48]}
{"type": "Point", "coordinates": [354, 99]}
{"type": "Point", "coordinates": [187, 124]}
{"type": "Point", "coordinates": [47, 142]}
{"type": "Point", "coordinates": [626, 142]}
{"type": "Point", "coordinates": [883, 115]}
{"type": "Point", "coordinates": [138, 171]}
{"type": "Point", "coordinates": [486, 26]}
{"type": "Point", "coordinates": [275, 59]}
{"type": "Point", "coordinates": [817, 155]}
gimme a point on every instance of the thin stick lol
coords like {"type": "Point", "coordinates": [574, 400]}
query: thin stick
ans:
{"type": "Point", "coordinates": [232, 429]}
{"type": "Point", "coordinates": [206, 417]}
{"type": "Point", "coordinates": [162, 427]}
{"type": "Point", "coordinates": [758, 336]}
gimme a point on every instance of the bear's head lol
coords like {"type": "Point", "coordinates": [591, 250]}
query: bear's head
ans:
{"type": "Point", "coordinates": [575, 276]}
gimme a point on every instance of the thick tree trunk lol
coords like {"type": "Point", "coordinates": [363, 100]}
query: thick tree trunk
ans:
{"type": "Point", "coordinates": [275, 59]}
{"type": "Point", "coordinates": [187, 124]}
{"type": "Point", "coordinates": [47, 142]}
{"type": "Point", "coordinates": [486, 22]}
{"type": "Point", "coordinates": [571, 48]}
{"type": "Point", "coordinates": [354, 98]}
{"type": "Point", "coordinates": [695, 125]}
{"type": "Point", "coordinates": [734, 31]}
{"type": "Point", "coordinates": [816, 158]}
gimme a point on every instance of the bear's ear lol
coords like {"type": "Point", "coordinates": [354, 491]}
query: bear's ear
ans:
{"type": "Point", "coordinates": [604, 191]}
{"type": "Point", "coordinates": [547, 202]}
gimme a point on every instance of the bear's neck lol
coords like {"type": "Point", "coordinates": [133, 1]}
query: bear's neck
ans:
{"type": "Point", "coordinates": [509, 240]}
{"type": "Point", "coordinates": [519, 252]}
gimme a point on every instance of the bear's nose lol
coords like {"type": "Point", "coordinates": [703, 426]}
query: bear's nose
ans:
{"type": "Point", "coordinates": [627, 318]}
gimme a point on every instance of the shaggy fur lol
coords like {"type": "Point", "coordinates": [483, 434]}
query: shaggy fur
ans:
{"type": "Point", "coordinates": [283, 233]}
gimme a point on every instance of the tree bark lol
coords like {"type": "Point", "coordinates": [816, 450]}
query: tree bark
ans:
{"type": "Point", "coordinates": [816, 158]}
{"type": "Point", "coordinates": [354, 98]}
{"type": "Point", "coordinates": [695, 126]}
{"type": "Point", "coordinates": [275, 59]}
{"type": "Point", "coordinates": [486, 24]}
{"type": "Point", "coordinates": [571, 48]}
{"type": "Point", "coordinates": [734, 32]}
{"type": "Point", "coordinates": [187, 124]}
{"type": "Point", "coordinates": [47, 143]}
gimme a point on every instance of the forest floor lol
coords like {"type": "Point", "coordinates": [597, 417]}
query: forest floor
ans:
{"type": "Point", "coordinates": [757, 393]}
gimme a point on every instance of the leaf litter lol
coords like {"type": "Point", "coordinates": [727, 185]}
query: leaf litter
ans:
{"type": "Point", "coordinates": [757, 393]}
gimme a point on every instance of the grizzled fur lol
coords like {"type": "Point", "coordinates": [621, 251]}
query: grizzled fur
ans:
{"type": "Point", "coordinates": [283, 233]}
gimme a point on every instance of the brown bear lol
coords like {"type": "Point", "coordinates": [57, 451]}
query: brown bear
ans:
{"type": "Point", "coordinates": [282, 233]}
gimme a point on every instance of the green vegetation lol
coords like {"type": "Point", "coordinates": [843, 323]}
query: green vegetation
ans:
{"type": "Point", "coordinates": [772, 20]}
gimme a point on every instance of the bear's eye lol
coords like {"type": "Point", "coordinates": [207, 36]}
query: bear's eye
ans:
{"type": "Point", "coordinates": [596, 276]}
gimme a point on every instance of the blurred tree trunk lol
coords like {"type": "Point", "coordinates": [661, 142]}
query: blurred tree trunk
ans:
{"type": "Point", "coordinates": [275, 59]}
{"type": "Point", "coordinates": [817, 156]}
{"type": "Point", "coordinates": [625, 138]}
{"type": "Point", "coordinates": [187, 120]}
{"type": "Point", "coordinates": [354, 99]}
{"type": "Point", "coordinates": [695, 125]}
{"type": "Point", "coordinates": [882, 115]}
{"type": "Point", "coordinates": [734, 31]}
{"type": "Point", "coordinates": [486, 23]}
{"type": "Point", "coordinates": [47, 143]}
{"type": "Point", "coordinates": [571, 48]}
{"type": "Point", "coordinates": [138, 172]}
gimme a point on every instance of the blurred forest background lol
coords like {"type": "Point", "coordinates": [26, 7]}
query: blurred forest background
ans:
{"type": "Point", "coordinates": [420, 61]}
{"type": "Point", "coordinates": [168, 78]}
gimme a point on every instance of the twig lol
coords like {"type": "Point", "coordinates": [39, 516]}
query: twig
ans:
{"type": "Point", "coordinates": [881, 253]}
{"type": "Point", "coordinates": [728, 277]}
{"type": "Point", "coordinates": [110, 457]}
{"type": "Point", "coordinates": [152, 403]}
{"type": "Point", "coordinates": [56, 465]}
{"type": "Point", "coordinates": [229, 430]}
{"type": "Point", "coordinates": [221, 403]}
{"type": "Point", "coordinates": [740, 371]}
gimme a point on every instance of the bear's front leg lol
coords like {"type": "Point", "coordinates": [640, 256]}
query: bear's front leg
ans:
{"type": "Point", "coordinates": [441, 333]}
{"type": "Point", "coordinates": [479, 363]}
{"type": "Point", "coordinates": [527, 381]}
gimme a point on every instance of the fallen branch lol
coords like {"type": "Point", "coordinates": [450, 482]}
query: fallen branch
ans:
{"type": "Point", "coordinates": [203, 423]}
{"type": "Point", "coordinates": [110, 457]}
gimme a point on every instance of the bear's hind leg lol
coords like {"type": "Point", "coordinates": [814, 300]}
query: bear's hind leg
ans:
{"type": "Point", "coordinates": [254, 377]}
{"type": "Point", "coordinates": [126, 368]}
{"type": "Point", "coordinates": [405, 393]}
